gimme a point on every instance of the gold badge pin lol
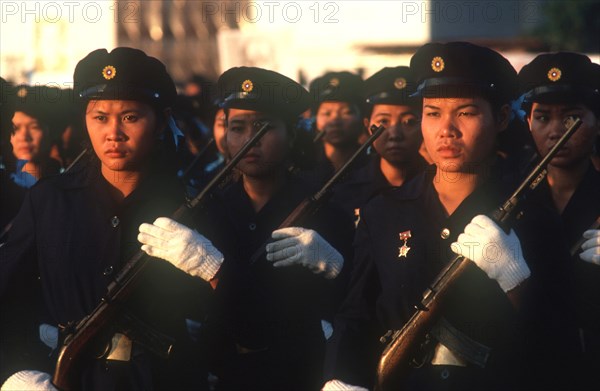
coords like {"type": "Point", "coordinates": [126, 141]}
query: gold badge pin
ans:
{"type": "Point", "coordinates": [400, 83]}
{"type": "Point", "coordinates": [554, 74]}
{"type": "Point", "coordinates": [109, 72]}
{"type": "Point", "coordinates": [403, 251]}
{"type": "Point", "coordinates": [437, 64]}
{"type": "Point", "coordinates": [22, 93]}
{"type": "Point", "coordinates": [334, 82]}
{"type": "Point", "coordinates": [247, 86]}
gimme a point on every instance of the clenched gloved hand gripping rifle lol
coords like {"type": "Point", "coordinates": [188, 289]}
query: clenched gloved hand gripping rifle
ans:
{"type": "Point", "coordinates": [311, 204]}
{"type": "Point", "coordinates": [402, 345]}
{"type": "Point", "coordinates": [83, 338]}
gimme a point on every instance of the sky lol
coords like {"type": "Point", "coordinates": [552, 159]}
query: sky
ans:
{"type": "Point", "coordinates": [42, 41]}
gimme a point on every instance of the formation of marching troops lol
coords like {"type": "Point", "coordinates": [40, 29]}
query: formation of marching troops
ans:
{"type": "Point", "coordinates": [269, 282]}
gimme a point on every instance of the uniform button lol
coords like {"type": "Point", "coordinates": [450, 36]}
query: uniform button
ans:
{"type": "Point", "coordinates": [445, 234]}
{"type": "Point", "coordinates": [445, 374]}
{"type": "Point", "coordinates": [252, 226]}
{"type": "Point", "coordinates": [108, 271]}
{"type": "Point", "coordinates": [115, 221]}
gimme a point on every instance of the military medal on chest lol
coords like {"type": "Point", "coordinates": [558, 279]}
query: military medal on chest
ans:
{"type": "Point", "coordinates": [403, 251]}
{"type": "Point", "coordinates": [357, 217]}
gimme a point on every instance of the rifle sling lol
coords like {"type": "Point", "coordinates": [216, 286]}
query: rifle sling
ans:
{"type": "Point", "coordinates": [461, 344]}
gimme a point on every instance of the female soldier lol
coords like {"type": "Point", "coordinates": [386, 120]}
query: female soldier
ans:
{"type": "Point", "coordinates": [76, 231]}
{"type": "Point", "coordinates": [338, 111]}
{"type": "Point", "coordinates": [404, 236]}
{"type": "Point", "coordinates": [557, 86]}
{"type": "Point", "coordinates": [30, 140]}
{"type": "Point", "coordinates": [32, 133]}
{"type": "Point", "coordinates": [398, 160]}
{"type": "Point", "coordinates": [267, 324]}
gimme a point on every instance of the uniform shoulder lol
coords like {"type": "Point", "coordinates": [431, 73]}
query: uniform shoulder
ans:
{"type": "Point", "coordinates": [72, 179]}
{"type": "Point", "coordinates": [408, 191]}
{"type": "Point", "coordinates": [391, 196]}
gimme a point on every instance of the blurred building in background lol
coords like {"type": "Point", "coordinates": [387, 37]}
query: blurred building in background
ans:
{"type": "Point", "coordinates": [41, 41]}
{"type": "Point", "coordinates": [182, 33]}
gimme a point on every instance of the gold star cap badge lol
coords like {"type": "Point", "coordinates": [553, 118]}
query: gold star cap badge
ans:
{"type": "Point", "coordinates": [437, 64]}
{"type": "Point", "coordinates": [334, 82]}
{"type": "Point", "coordinates": [554, 74]}
{"type": "Point", "coordinates": [109, 72]}
{"type": "Point", "coordinates": [247, 86]}
{"type": "Point", "coordinates": [400, 83]}
{"type": "Point", "coordinates": [22, 93]}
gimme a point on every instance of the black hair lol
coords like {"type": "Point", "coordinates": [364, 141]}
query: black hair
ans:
{"type": "Point", "coordinates": [416, 105]}
{"type": "Point", "coordinates": [10, 160]}
{"type": "Point", "coordinates": [592, 103]}
{"type": "Point", "coordinates": [302, 151]}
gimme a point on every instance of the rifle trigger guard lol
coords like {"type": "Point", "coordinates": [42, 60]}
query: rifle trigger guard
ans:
{"type": "Point", "coordinates": [425, 353]}
{"type": "Point", "coordinates": [107, 348]}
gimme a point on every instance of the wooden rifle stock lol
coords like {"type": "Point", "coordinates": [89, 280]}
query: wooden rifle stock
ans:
{"type": "Point", "coordinates": [82, 339]}
{"type": "Point", "coordinates": [311, 204]}
{"type": "Point", "coordinates": [402, 345]}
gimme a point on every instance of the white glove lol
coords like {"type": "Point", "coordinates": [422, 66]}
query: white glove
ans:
{"type": "Point", "coordinates": [499, 255]}
{"type": "Point", "coordinates": [186, 249]}
{"type": "Point", "coordinates": [591, 247]}
{"type": "Point", "coordinates": [294, 245]}
{"type": "Point", "coordinates": [49, 335]}
{"type": "Point", "coordinates": [29, 381]}
{"type": "Point", "coordinates": [327, 328]}
{"type": "Point", "coordinates": [337, 385]}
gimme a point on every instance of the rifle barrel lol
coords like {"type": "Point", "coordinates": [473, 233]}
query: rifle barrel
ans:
{"type": "Point", "coordinates": [124, 282]}
{"type": "Point", "coordinates": [197, 158]}
{"type": "Point", "coordinates": [393, 362]}
{"type": "Point", "coordinates": [310, 204]}
{"type": "Point", "coordinates": [376, 131]}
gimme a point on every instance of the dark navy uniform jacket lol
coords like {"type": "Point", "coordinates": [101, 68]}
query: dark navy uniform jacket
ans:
{"type": "Point", "coordinates": [385, 286]}
{"type": "Point", "coordinates": [581, 211]}
{"type": "Point", "coordinates": [579, 214]}
{"type": "Point", "coordinates": [323, 169]}
{"type": "Point", "coordinates": [268, 320]}
{"type": "Point", "coordinates": [12, 196]}
{"type": "Point", "coordinates": [361, 185]}
{"type": "Point", "coordinates": [72, 235]}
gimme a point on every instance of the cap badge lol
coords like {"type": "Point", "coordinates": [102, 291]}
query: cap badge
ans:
{"type": "Point", "coordinates": [22, 93]}
{"type": "Point", "coordinates": [247, 86]}
{"type": "Point", "coordinates": [437, 64]}
{"type": "Point", "coordinates": [109, 72]}
{"type": "Point", "coordinates": [400, 83]}
{"type": "Point", "coordinates": [403, 251]}
{"type": "Point", "coordinates": [334, 82]}
{"type": "Point", "coordinates": [554, 74]}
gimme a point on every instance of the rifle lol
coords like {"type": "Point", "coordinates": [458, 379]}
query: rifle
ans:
{"type": "Point", "coordinates": [82, 338]}
{"type": "Point", "coordinates": [196, 159]}
{"type": "Point", "coordinates": [320, 134]}
{"type": "Point", "coordinates": [311, 204]}
{"type": "Point", "coordinates": [402, 345]}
